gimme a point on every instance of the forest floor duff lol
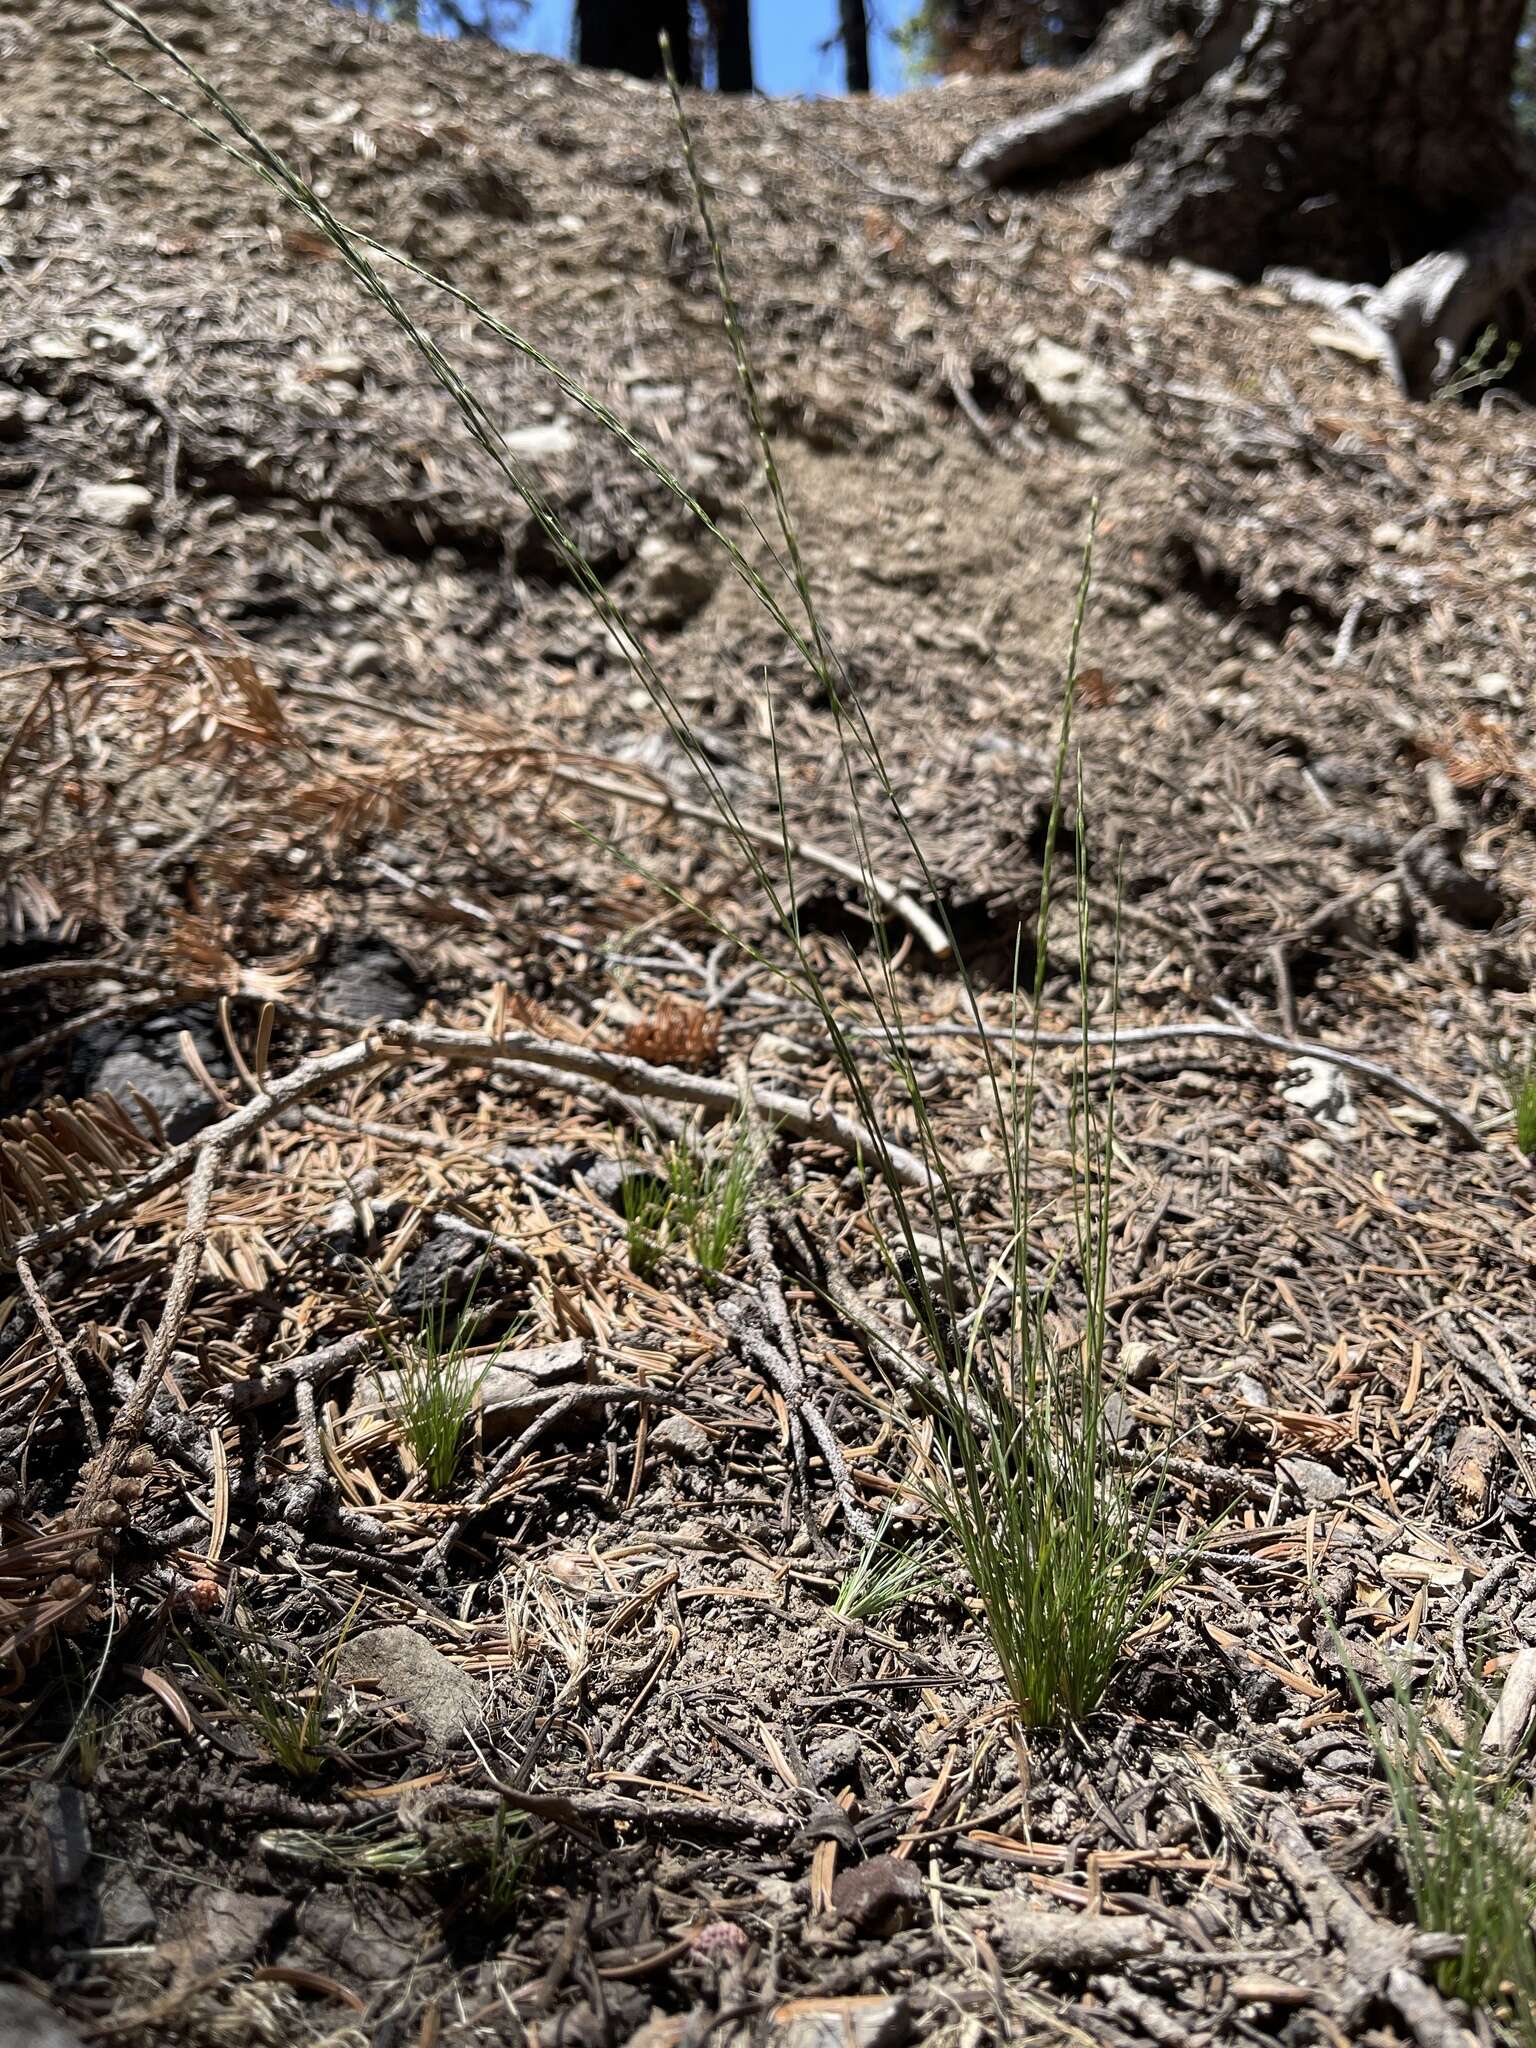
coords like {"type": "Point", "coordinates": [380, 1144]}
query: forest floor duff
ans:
{"type": "Point", "coordinates": [301, 718]}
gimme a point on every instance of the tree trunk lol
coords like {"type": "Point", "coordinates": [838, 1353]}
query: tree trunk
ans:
{"type": "Point", "coordinates": [733, 46]}
{"type": "Point", "coordinates": [625, 35]}
{"type": "Point", "coordinates": [1352, 138]}
{"type": "Point", "coordinates": [1347, 135]}
{"type": "Point", "coordinates": [854, 19]}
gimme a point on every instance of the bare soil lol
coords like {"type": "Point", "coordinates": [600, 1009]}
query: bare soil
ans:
{"type": "Point", "coordinates": [316, 719]}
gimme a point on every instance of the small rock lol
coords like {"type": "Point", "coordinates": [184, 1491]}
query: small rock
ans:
{"type": "Point", "coordinates": [1322, 1090]}
{"type": "Point", "coordinates": [442, 1699]}
{"type": "Point", "coordinates": [543, 443]}
{"type": "Point", "coordinates": [26, 2022]}
{"type": "Point", "coordinates": [680, 1437]}
{"type": "Point", "coordinates": [611, 1180]}
{"type": "Point", "coordinates": [60, 1813]}
{"type": "Point", "coordinates": [222, 1929]}
{"type": "Point", "coordinates": [364, 658]}
{"type": "Point", "coordinates": [365, 1935]}
{"type": "Point", "coordinates": [879, 1896]}
{"type": "Point", "coordinates": [123, 505]}
{"type": "Point", "coordinates": [875, 2021]}
{"type": "Point", "coordinates": [675, 580]}
{"type": "Point", "coordinates": [125, 1916]}
{"type": "Point", "coordinates": [511, 1395]}
{"type": "Point", "coordinates": [1316, 1483]}
{"type": "Point", "coordinates": [340, 366]}
{"type": "Point", "coordinates": [1494, 688]}
{"type": "Point", "coordinates": [836, 1762]}
{"type": "Point", "coordinates": [368, 980]}
{"type": "Point", "coordinates": [121, 341]}
{"type": "Point", "coordinates": [182, 1104]}
{"type": "Point", "coordinates": [451, 1276]}
{"type": "Point", "coordinates": [1081, 400]}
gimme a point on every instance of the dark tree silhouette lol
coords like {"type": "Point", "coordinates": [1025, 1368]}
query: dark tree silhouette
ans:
{"type": "Point", "coordinates": [853, 20]}
{"type": "Point", "coordinates": [1371, 141]}
{"type": "Point", "coordinates": [625, 35]}
{"type": "Point", "coordinates": [732, 25]}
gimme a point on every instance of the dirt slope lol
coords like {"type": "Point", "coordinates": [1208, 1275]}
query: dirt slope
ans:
{"type": "Point", "coordinates": [282, 723]}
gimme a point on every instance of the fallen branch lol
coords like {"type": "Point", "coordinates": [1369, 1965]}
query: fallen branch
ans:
{"type": "Point", "coordinates": [1465, 1133]}
{"type": "Point", "coordinates": [1379, 1958]}
{"type": "Point", "coordinates": [523, 1052]}
{"type": "Point", "coordinates": [128, 1425]}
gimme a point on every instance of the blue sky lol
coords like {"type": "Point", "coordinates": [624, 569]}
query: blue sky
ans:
{"type": "Point", "coordinates": [786, 35]}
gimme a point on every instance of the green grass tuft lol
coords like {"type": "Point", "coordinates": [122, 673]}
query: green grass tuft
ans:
{"type": "Point", "coordinates": [276, 1696]}
{"type": "Point", "coordinates": [885, 1577]}
{"type": "Point", "coordinates": [702, 1199]}
{"type": "Point", "coordinates": [436, 1381]}
{"type": "Point", "coordinates": [1466, 1835]}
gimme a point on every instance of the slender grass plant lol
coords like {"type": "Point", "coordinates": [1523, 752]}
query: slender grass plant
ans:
{"type": "Point", "coordinates": [1055, 1537]}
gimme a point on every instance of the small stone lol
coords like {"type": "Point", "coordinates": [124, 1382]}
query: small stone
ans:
{"type": "Point", "coordinates": [121, 341]}
{"type": "Point", "coordinates": [125, 1916]}
{"type": "Point", "coordinates": [26, 2022]}
{"type": "Point", "coordinates": [60, 1810]}
{"type": "Point", "coordinates": [122, 505]}
{"type": "Point", "coordinates": [1322, 1090]}
{"type": "Point", "coordinates": [542, 443]}
{"type": "Point", "coordinates": [879, 1896]}
{"type": "Point", "coordinates": [183, 1106]}
{"type": "Point", "coordinates": [442, 1699]}
{"type": "Point", "coordinates": [1316, 1483]}
{"type": "Point", "coordinates": [874, 2021]}
{"type": "Point", "coordinates": [223, 1929]}
{"type": "Point", "coordinates": [836, 1762]}
{"type": "Point", "coordinates": [512, 1394]}
{"type": "Point", "coordinates": [366, 1934]}
{"type": "Point", "coordinates": [340, 366]}
{"type": "Point", "coordinates": [681, 1438]}
{"type": "Point", "coordinates": [1082, 402]}
{"type": "Point", "coordinates": [675, 580]}
{"type": "Point", "coordinates": [367, 980]}
{"type": "Point", "coordinates": [365, 658]}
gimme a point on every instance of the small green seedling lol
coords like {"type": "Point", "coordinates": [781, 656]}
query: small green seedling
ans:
{"type": "Point", "coordinates": [1520, 1078]}
{"type": "Point", "coordinates": [277, 1697]}
{"type": "Point", "coordinates": [435, 1384]}
{"type": "Point", "coordinates": [1466, 1833]}
{"type": "Point", "coordinates": [885, 1577]}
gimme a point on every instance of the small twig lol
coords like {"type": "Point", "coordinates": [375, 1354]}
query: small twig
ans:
{"type": "Point", "coordinates": [521, 1051]}
{"type": "Point", "coordinates": [128, 1426]}
{"type": "Point", "coordinates": [61, 1352]}
{"type": "Point", "coordinates": [1455, 1123]}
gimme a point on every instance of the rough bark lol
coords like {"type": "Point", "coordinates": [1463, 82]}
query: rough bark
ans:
{"type": "Point", "coordinates": [733, 46]}
{"type": "Point", "coordinates": [853, 18]}
{"type": "Point", "coordinates": [1360, 139]}
{"type": "Point", "coordinates": [625, 35]}
{"type": "Point", "coordinates": [1351, 136]}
